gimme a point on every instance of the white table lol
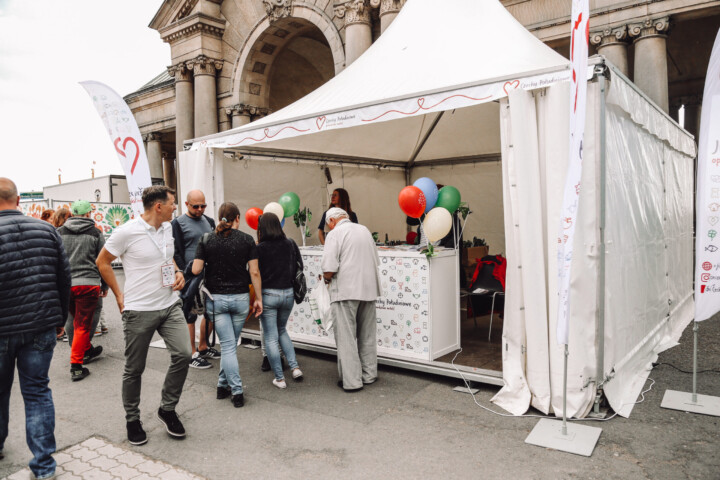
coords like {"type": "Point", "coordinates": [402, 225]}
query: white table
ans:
{"type": "Point", "coordinates": [418, 316]}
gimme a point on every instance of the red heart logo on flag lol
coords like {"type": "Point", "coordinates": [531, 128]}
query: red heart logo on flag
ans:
{"type": "Point", "coordinates": [514, 84]}
{"type": "Point", "coordinates": [122, 152]}
{"type": "Point", "coordinates": [320, 122]}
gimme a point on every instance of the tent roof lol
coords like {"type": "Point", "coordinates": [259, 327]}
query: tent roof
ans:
{"type": "Point", "coordinates": [431, 47]}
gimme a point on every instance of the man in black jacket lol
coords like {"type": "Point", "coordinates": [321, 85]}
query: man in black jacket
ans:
{"type": "Point", "coordinates": [187, 230]}
{"type": "Point", "coordinates": [34, 299]}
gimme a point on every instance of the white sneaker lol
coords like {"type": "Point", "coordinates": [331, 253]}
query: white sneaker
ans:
{"type": "Point", "coordinates": [297, 375]}
{"type": "Point", "coordinates": [279, 383]}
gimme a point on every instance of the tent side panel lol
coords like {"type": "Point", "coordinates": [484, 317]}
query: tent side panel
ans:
{"type": "Point", "coordinates": [373, 193]}
{"type": "Point", "coordinates": [553, 118]}
{"type": "Point", "coordinates": [679, 202]}
{"type": "Point", "coordinates": [373, 196]}
{"type": "Point", "coordinates": [644, 233]}
{"type": "Point", "coordinates": [255, 183]}
{"type": "Point", "coordinates": [515, 394]}
{"type": "Point", "coordinates": [202, 169]}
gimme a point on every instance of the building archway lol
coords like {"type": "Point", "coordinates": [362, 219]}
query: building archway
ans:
{"type": "Point", "coordinates": [283, 61]}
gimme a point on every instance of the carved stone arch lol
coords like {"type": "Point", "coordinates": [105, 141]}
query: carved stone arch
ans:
{"type": "Point", "coordinates": [267, 39]}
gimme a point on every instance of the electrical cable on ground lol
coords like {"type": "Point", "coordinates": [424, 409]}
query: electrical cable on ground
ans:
{"type": "Point", "coordinates": [467, 385]}
{"type": "Point", "coordinates": [685, 371]}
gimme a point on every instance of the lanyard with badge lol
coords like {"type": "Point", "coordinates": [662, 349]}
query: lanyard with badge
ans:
{"type": "Point", "coordinates": [167, 269]}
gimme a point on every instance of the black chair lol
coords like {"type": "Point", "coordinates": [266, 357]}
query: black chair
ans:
{"type": "Point", "coordinates": [484, 290]}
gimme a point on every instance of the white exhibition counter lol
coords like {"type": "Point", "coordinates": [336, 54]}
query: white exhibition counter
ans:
{"type": "Point", "coordinates": [418, 316]}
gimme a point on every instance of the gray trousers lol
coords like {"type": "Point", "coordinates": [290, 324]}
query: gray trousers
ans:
{"type": "Point", "coordinates": [138, 329]}
{"type": "Point", "coordinates": [356, 340]}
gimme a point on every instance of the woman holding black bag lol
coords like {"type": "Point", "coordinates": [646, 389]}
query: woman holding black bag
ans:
{"type": "Point", "coordinates": [279, 259]}
{"type": "Point", "coordinates": [230, 259]}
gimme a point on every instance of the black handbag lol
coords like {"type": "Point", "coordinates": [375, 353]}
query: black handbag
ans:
{"type": "Point", "coordinates": [298, 282]}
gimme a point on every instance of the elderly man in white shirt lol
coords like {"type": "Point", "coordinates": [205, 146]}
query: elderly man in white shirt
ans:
{"type": "Point", "coordinates": [350, 266]}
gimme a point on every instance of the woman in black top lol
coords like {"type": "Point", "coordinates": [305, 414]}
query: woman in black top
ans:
{"type": "Point", "coordinates": [340, 199]}
{"type": "Point", "coordinates": [277, 256]}
{"type": "Point", "coordinates": [227, 254]}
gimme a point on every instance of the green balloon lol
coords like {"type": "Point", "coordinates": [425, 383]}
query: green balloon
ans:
{"type": "Point", "coordinates": [448, 198]}
{"type": "Point", "coordinates": [290, 203]}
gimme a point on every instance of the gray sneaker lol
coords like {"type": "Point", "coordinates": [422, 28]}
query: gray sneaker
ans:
{"type": "Point", "coordinates": [199, 362]}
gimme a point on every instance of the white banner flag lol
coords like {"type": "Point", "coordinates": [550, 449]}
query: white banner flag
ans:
{"type": "Point", "coordinates": [578, 93]}
{"type": "Point", "coordinates": [707, 208]}
{"type": "Point", "coordinates": [125, 136]}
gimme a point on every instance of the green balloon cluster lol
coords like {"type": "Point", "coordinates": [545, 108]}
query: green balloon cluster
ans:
{"type": "Point", "coordinates": [448, 198]}
{"type": "Point", "coordinates": [290, 202]}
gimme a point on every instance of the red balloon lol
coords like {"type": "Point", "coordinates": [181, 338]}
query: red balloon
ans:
{"type": "Point", "coordinates": [412, 201]}
{"type": "Point", "coordinates": [252, 216]}
{"type": "Point", "coordinates": [410, 238]}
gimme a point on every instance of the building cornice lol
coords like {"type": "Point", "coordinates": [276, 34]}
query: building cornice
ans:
{"type": "Point", "coordinates": [194, 24]}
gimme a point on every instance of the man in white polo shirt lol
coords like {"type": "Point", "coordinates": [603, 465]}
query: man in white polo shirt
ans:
{"type": "Point", "coordinates": [149, 303]}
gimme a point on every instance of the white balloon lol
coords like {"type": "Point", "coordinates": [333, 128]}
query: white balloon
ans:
{"type": "Point", "coordinates": [437, 224]}
{"type": "Point", "coordinates": [274, 208]}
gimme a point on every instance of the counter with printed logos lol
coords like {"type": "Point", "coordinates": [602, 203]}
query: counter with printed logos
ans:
{"type": "Point", "coordinates": [418, 314]}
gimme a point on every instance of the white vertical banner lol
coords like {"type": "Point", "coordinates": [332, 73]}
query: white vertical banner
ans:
{"type": "Point", "coordinates": [707, 209]}
{"type": "Point", "coordinates": [125, 136]}
{"type": "Point", "coordinates": [578, 94]}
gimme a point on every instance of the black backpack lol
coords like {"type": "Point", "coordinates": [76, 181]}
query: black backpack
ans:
{"type": "Point", "coordinates": [298, 282]}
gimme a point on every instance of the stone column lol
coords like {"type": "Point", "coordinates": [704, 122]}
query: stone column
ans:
{"type": "Point", "coordinates": [693, 108]}
{"type": "Point", "coordinates": [184, 122]}
{"type": "Point", "coordinates": [612, 43]}
{"type": "Point", "coordinates": [651, 72]}
{"type": "Point", "coordinates": [169, 171]}
{"type": "Point", "coordinates": [259, 113]}
{"type": "Point", "coordinates": [154, 154]}
{"type": "Point", "coordinates": [241, 114]}
{"type": "Point", "coordinates": [206, 108]}
{"type": "Point", "coordinates": [358, 34]}
{"type": "Point", "coordinates": [388, 11]}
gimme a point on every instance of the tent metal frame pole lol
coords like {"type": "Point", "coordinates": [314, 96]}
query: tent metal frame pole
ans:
{"type": "Point", "coordinates": [695, 343]}
{"type": "Point", "coordinates": [424, 139]}
{"type": "Point", "coordinates": [600, 71]}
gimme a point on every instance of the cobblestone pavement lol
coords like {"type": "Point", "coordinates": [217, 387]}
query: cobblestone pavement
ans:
{"type": "Point", "coordinates": [98, 459]}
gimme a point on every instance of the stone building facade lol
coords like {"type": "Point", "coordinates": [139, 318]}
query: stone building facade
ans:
{"type": "Point", "coordinates": [233, 61]}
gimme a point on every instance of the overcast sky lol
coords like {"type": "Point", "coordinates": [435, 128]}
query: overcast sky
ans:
{"type": "Point", "coordinates": [47, 121]}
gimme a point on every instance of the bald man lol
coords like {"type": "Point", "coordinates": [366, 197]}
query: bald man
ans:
{"type": "Point", "coordinates": [187, 231]}
{"type": "Point", "coordinates": [34, 299]}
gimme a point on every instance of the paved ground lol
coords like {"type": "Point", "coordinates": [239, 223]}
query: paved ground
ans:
{"type": "Point", "coordinates": [408, 425]}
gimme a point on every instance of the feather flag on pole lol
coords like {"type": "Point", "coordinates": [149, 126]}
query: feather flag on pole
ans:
{"type": "Point", "coordinates": [125, 136]}
{"type": "Point", "coordinates": [707, 211]}
{"type": "Point", "coordinates": [578, 93]}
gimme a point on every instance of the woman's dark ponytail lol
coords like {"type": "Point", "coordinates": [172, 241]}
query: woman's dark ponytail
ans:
{"type": "Point", "coordinates": [227, 215]}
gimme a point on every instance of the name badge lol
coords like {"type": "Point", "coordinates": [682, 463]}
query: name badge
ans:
{"type": "Point", "coordinates": [168, 275]}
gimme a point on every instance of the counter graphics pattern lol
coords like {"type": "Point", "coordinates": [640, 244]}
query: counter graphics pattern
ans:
{"type": "Point", "coordinates": [402, 311]}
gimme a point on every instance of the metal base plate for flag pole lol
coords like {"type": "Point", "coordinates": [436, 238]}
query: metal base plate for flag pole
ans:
{"type": "Point", "coordinates": [580, 439]}
{"type": "Point", "coordinates": [705, 404]}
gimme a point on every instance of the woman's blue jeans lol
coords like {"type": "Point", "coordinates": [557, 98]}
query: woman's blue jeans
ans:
{"type": "Point", "coordinates": [277, 305]}
{"type": "Point", "coordinates": [228, 313]}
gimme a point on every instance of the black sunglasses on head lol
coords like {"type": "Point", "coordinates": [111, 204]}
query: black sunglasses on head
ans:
{"type": "Point", "coordinates": [201, 205]}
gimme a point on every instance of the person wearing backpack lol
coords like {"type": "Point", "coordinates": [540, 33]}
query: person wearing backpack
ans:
{"type": "Point", "coordinates": [230, 260]}
{"type": "Point", "coordinates": [279, 257]}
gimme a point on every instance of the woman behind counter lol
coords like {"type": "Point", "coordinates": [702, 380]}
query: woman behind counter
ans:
{"type": "Point", "coordinates": [340, 199]}
{"type": "Point", "coordinates": [277, 256]}
{"type": "Point", "coordinates": [225, 253]}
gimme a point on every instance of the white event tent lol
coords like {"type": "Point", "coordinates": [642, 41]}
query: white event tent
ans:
{"type": "Point", "coordinates": [459, 91]}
